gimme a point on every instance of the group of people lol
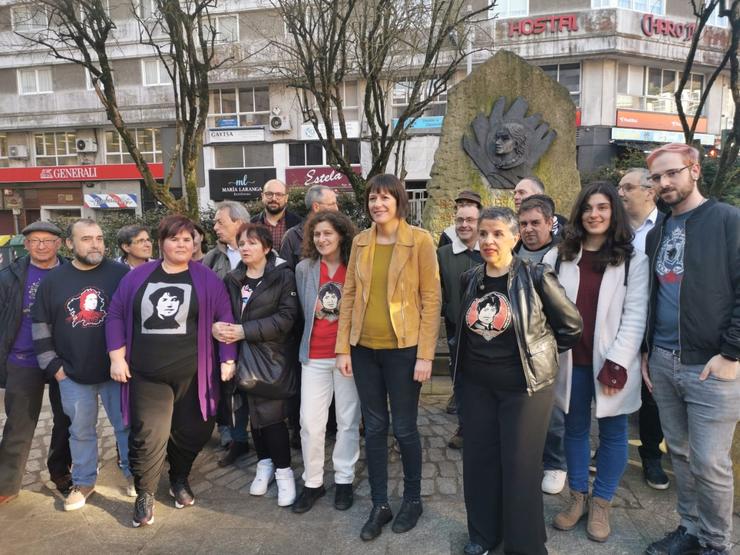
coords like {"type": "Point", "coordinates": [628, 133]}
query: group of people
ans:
{"type": "Point", "coordinates": [286, 324]}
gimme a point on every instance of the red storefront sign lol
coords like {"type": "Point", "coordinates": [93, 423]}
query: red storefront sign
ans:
{"type": "Point", "coordinates": [652, 25]}
{"type": "Point", "coordinates": [53, 174]}
{"type": "Point", "coordinates": [550, 23]}
{"type": "Point", "coordinates": [653, 120]}
{"type": "Point", "coordinates": [318, 175]}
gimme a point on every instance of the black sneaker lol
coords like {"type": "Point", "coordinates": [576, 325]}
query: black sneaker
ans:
{"type": "Point", "coordinates": [307, 498]}
{"type": "Point", "coordinates": [180, 490]}
{"type": "Point", "coordinates": [236, 450]}
{"type": "Point", "coordinates": [654, 475]}
{"type": "Point", "coordinates": [343, 497]}
{"type": "Point", "coordinates": [407, 516]}
{"type": "Point", "coordinates": [379, 517]}
{"type": "Point", "coordinates": [709, 550]}
{"type": "Point", "coordinates": [143, 510]}
{"type": "Point", "coordinates": [456, 441]}
{"type": "Point", "coordinates": [474, 549]}
{"type": "Point", "coordinates": [678, 542]}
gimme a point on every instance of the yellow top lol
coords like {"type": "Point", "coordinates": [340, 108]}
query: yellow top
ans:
{"type": "Point", "coordinates": [377, 328]}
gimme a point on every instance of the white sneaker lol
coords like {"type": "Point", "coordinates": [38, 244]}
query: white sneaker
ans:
{"type": "Point", "coordinates": [286, 486]}
{"type": "Point", "coordinates": [554, 481]}
{"type": "Point", "coordinates": [265, 476]}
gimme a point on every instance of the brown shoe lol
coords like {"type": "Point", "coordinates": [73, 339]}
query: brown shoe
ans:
{"type": "Point", "coordinates": [568, 518]}
{"type": "Point", "coordinates": [78, 497]}
{"type": "Point", "coordinates": [7, 498]}
{"type": "Point", "coordinates": [598, 528]}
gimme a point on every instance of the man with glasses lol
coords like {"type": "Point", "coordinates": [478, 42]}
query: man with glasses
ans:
{"type": "Point", "coordinates": [20, 374]}
{"type": "Point", "coordinates": [464, 198]}
{"type": "Point", "coordinates": [455, 258]}
{"type": "Point", "coordinates": [318, 198]}
{"type": "Point", "coordinates": [276, 216]}
{"type": "Point", "coordinates": [638, 197]}
{"type": "Point", "coordinates": [692, 345]}
{"type": "Point", "coordinates": [135, 245]}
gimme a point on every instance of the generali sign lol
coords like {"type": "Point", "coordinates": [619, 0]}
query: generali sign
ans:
{"type": "Point", "coordinates": [651, 120]}
{"type": "Point", "coordinates": [53, 174]}
{"type": "Point", "coordinates": [318, 175]}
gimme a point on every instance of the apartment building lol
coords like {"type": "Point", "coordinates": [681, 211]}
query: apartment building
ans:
{"type": "Point", "coordinates": [620, 59]}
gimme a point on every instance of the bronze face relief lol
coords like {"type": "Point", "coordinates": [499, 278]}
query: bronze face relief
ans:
{"type": "Point", "coordinates": [506, 145]}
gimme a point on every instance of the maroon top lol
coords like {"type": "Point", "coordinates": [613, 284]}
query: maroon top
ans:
{"type": "Point", "coordinates": [587, 301]}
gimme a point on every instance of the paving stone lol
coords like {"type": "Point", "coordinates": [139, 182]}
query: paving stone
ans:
{"type": "Point", "coordinates": [217, 473]}
{"type": "Point", "coordinates": [229, 477]}
{"type": "Point", "coordinates": [428, 470]}
{"type": "Point", "coordinates": [447, 486]}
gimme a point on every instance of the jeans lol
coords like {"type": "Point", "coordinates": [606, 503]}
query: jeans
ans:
{"type": "Point", "coordinates": [380, 375]}
{"type": "Point", "coordinates": [553, 458]}
{"type": "Point", "coordinates": [24, 393]}
{"type": "Point", "coordinates": [699, 421]}
{"type": "Point", "coordinates": [80, 402]}
{"type": "Point", "coordinates": [320, 381]}
{"type": "Point", "coordinates": [611, 459]}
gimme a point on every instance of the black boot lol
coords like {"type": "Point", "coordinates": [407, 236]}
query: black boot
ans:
{"type": "Point", "coordinates": [379, 517]}
{"type": "Point", "coordinates": [307, 498]}
{"type": "Point", "coordinates": [236, 450]}
{"type": "Point", "coordinates": [407, 516]}
{"type": "Point", "coordinates": [343, 497]}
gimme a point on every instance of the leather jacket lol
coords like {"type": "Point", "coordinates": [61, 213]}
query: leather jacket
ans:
{"type": "Point", "coordinates": [546, 322]}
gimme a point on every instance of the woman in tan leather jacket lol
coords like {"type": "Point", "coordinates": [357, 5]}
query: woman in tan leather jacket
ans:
{"type": "Point", "coordinates": [388, 326]}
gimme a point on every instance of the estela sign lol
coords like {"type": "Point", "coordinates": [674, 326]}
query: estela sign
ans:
{"type": "Point", "coordinates": [538, 25]}
{"type": "Point", "coordinates": [652, 26]}
{"type": "Point", "coordinates": [318, 175]}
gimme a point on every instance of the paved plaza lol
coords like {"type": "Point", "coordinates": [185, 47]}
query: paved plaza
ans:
{"type": "Point", "coordinates": [226, 519]}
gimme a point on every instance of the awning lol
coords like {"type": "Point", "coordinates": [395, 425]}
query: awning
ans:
{"type": "Point", "coordinates": [110, 200]}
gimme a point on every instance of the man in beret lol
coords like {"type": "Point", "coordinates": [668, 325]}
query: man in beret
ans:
{"type": "Point", "coordinates": [23, 380]}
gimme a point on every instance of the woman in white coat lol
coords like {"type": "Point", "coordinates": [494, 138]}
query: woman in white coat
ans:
{"type": "Point", "coordinates": [608, 281]}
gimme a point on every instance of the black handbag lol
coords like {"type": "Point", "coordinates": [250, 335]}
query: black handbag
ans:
{"type": "Point", "coordinates": [260, 374]}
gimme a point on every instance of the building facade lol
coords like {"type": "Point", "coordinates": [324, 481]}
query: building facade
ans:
{"type": "Point", "coordinates": [621, 61]}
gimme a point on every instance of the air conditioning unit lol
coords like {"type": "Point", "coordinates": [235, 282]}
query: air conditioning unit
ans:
{"type": "Point", "coordinates": [18, 151]}
{"type": "Point", "coordinates": [279, 124]}
{"type": "Point", "coordinates": [86, 145]}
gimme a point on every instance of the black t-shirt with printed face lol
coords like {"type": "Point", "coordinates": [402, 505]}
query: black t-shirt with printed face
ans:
{"type": "Point", "coordinates": [165, 323]}
{"type": "Point", "coordinates": [491, 354]}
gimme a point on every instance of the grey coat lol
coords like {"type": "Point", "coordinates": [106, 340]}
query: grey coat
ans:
{"type": "Point", "coordinates": [307, 277]}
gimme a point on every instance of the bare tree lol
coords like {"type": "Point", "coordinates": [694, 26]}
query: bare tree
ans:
{"type": "Point", "coordinates": [726, 170]}
{"type": "Point", "coordinates": [181, 34]}
{"type": "Point", "coordinates": [414, 44]}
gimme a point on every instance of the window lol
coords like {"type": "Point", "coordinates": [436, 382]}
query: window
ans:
{"type": "Point", "coordinates": [226, 28]}
{"type": "Point", "coordinates": [147, 140]}
{"type": "Point", "coordinates": [348, 91]}
{"type": "Point", "coordinates": [29, 19]}
{"type": "Point", "coordinates": [244, 156]}
{"type": "Point", "coordinates": [715, 19]}
{"type": "Point", "coordinates": [313, 154]}
{"type": "Point", "coordinates": [241, 107]}
{"type": "Point", "coordinates": [4, 163]}
{"type": "Point", "coordinates": [568, 75]}
{"type": "Point", "coordinates": [92, 8]}
{"type": "Point", "coordinates": [55, 149]}
{"type": "Point", "coordinates": [35, 80]}
{"type": "Point", "coordinates": [154, 73]}
{"type": "Point", "coordinates": [510, 8]}
{"type": "Point", "coordinates": [652, 89]}
{"type": "Point", "coordinates": [148, 9]}
{"type": "Point", "coordinates": [656, 7]}
{"type": "Point", "coordinates": [402, 92]}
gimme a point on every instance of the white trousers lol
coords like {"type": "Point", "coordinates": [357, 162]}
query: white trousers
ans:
{"type": "Point", "coordinates": [320, 381]}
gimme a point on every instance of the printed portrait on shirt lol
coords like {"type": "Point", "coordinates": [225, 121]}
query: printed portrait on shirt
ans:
{"type": "Point", "coordinates": [328, 302]}
{"type": "Point", "coordinates": [489, 315]}
{"type": "Point", "coordinates": [164, 308]}
{"type": "Point", "coordinates": [87, 309]}
{"type": "Point", "coordinates": [669, 264]}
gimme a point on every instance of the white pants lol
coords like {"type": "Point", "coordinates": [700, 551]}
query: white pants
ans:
{"type": "Point", "coordinates": [320, 380]}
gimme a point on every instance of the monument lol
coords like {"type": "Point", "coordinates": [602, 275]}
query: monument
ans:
{"type": "Point", "coordinates": [504, 121]}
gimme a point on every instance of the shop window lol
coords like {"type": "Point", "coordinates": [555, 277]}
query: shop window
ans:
{"type": "Point", "coordinates": [4, 162]}
{"type": "Point", "coordinates": [656, 7]}
{"type": "Point", "coordinates": [36, 80]}
{"type": "Point", "coordinates": [652, 89]}
{"type": "Point", "coordinates": [313, 154]}
{"type": "Point", "coordinates": [568, 75]}
{"type": "Point", "coordinates": [30, 18]}
{"type": "Point", "coordinates": [243, 156]}
{"type": "Point", "coordinates": [509, 8]}
{"type": "Point", "coordinates": [55, 149]}
{"type": "Point", "coordinates": [147, 140]}
{"type": "Point", "coordinates": [402, 91]}
{"type": "Point", "coordinates": [242, 107]}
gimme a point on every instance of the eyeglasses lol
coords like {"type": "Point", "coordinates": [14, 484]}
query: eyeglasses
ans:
{"type": "Point", "coordinates": [656, 178]}
{"type": "Point", "coordinates": [469, 221]}
{"type": "Point", "coordinates": [141, 241]}
{"type": "Point", "coordinates": [45, 242]}
{"type": "Point", "coordinates": [269, 194]}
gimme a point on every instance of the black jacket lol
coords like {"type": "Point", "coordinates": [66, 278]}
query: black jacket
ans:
{"type": "Point", "coordinates": [12, 282]}
{"type": "Point", "coordinates": [292, 246]}
{"type": "Point", "coordinates": [709, 295]}
{"type": "Point", "coordinates": [545, 321]}
{"type": "Point", "coordinates": [269, 321]}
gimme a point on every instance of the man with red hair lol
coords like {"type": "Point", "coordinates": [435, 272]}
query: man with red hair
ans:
{"type": "Point", "coordinates": [692, 347]}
